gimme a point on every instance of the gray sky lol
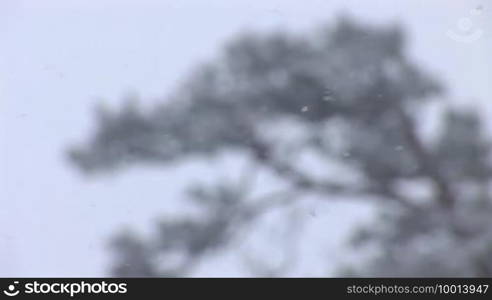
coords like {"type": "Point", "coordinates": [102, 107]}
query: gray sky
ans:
{"type": "Point", "coordinates": [58, 58]}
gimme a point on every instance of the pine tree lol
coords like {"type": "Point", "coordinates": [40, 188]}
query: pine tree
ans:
{"type": "Point", "coordinates": [360, 102]}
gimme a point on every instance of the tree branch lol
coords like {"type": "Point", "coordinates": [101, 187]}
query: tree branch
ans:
{"type": "Point", "coordinates": [263, 153]}
{"type": "Point", "coordinates": [427, 162]}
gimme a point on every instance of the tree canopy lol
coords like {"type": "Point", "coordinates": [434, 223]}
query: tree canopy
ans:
{"type": "Point", "coordinates": [360, 100]}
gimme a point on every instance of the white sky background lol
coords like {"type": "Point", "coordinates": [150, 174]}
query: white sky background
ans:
{"type": "Point", "coordinates": [57, 58]}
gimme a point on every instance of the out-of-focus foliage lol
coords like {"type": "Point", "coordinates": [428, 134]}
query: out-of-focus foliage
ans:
{"type": "Point", "coordinates": [361, 99]}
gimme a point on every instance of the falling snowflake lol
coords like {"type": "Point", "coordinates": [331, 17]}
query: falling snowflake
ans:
{"type": "Point", "coordinates": [328, 95]}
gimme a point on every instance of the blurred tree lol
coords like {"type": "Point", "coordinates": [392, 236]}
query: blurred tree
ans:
{"type": "Point", "coordinates": [360, 101]}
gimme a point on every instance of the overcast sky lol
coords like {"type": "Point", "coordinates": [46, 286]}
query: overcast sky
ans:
{"type": "Point", "coordinates": [58, 58]}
